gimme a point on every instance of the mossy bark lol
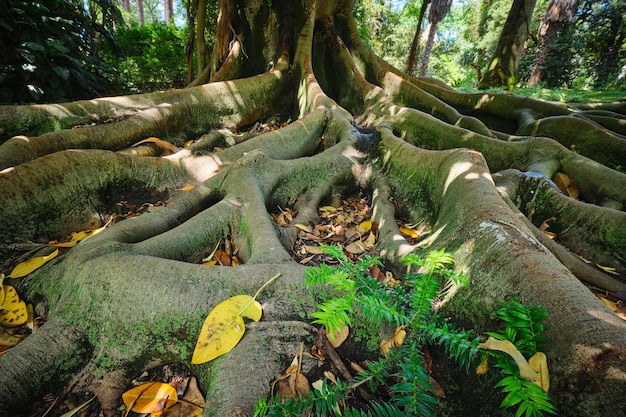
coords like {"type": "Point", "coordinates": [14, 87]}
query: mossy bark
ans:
{"type": "Point", "coordinates": [135, 295]}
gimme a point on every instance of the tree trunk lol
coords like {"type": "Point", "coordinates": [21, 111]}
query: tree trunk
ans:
{"type": "Point", "coordinates": [140, 16]}
{"type": "Point", "coordinates": [168, 11]}
{"type": "Point", "coordinates": [559, 12]}
{"type": "Point", "coordinates": [428, 48]}
{"type": "Point", "coordinates": [472, 168]}
{"type": "Point", "coordinates": [415, 44]}
{"type": "Point", "coordinates": [503, 68]}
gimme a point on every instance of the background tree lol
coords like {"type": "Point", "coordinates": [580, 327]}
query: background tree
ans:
{"type": "Point", "coordinates": [415, 43]}
{"type": "Point", "coordinates": [503, 68]}
{"type": "Point", "coordinates": [559, 12]}
{"type": "Point", "coordinates": [436, 12]}
{"type": "Point", "coordinates": [279, 132]}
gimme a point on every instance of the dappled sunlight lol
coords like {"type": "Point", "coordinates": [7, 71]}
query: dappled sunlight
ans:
{"type": "Point", "coordinates": [485, 99]}
{"type": "Point", "coordinates": [201, 168]}
{"type": "Point", "coordinates": [458, 169]}
{"type": "Point", "coordinates": [404, 248]}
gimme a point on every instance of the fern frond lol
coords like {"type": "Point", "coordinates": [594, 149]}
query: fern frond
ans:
{"type": "Point", "coordinates": [415, 391]}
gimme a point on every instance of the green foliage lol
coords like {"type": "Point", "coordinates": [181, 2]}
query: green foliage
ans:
{"type": "Point", "coordinates": [47, 53]}
{"type": "Point", "coordinates": [522, 328]}
{"type": "Point", "coordinates": [147, 58]}
{"type": "Point", "coordinates": [411, 305]}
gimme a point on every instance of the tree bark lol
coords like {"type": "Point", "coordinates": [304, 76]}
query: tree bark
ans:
{"type": "Point", "coordinates": [415, 44]}
{"type": "Point", "coordinates": [472, 167]}
{"type": "Point", "coordinates": [140, 15]}
{"type": "Point", "coordinates": [503, 68]}
{"type": "Point", "coordinates": [558, 13]}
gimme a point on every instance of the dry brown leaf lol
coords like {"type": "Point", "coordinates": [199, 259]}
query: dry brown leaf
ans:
{"type": "Point", "coordinates": [338, 336]}
{"type": "Point", "coordinates": [167, 147]}
{"type": "Point", "coordinates": [356, 247]}
{"type": "Point", "coordinates": [544, 228]}
{"type": "Point", "coordinates": [316, 250]}
{"type": "Point", "coordinates": [566, 185]}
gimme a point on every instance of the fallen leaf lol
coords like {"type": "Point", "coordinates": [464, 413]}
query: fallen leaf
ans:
{"type": "Point", "coordinates": [610, 304]}
{"type": "Point", "coordinates": [409, 232]}
{"type": "Point", "coordinates": [566, 185]}
{"type": "Point", "coordinates": [303, 227]}
{"type": "Point", "coordinates": [24, 268]}
{"type": "Point", "coordinates": [483, 367]}
{"type": "Point", "coordinates": [356, 247]}
{"type": "Point", "coordinates": [167, 147]}
{"type": "Point", "coordinates": [608, 269]}
{"type": "Point", "coordinates": [188, 187]}
{"type": "Point", "coordinates": [396, 340]}
{"type": "Point", "coordinates": [316, 250]}
{"type": "Point", "coordinates": [86, 234]}
{"type": "Point", "coordinates": [190, 404]}
{"type": "Point", "coordinates": [366, 225]}
{"type": "Point", "coordinates": [525, 370]}
{"type": "Point", "coordinates": [77, 409]}
{"type": "Point", "coordinates": [151, 397]}
{"type": "Point", "coordinates": [7, 339]}
{"type": "Point", "coordinates": [224, 327]}
{"type": "Point", "coordinates": [539, 362]}
{"type": "Point", "coordinates": [338, 336]}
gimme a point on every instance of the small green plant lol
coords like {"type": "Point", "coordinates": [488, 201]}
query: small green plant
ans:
{"type": "Point", "coordinates": [413, 307]}
{"type": "Point", "coordinates": [522, 328]}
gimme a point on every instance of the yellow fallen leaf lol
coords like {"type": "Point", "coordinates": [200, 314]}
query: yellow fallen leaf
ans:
{"type": "Point", "coordinates": [525, 370]}
{"type": "Point", "coordinates": [366, 225]}
{"type": "Point", "coordinates": [483, 367]}
{"type": "Point", "coordinates": [189, 142]}
{"type": "Point", "coordinates": [151, 397]}
{"type": "Point", "coordinates": [13, 311]}
{"type": "Point", "coordinates": [396, 340]}
{"type": "Point", "coordinates": [188, 187]}
{"type": "Point", "coordinates": [610, 304]}
{"type": "Point", "coordinates": [86, 234]}
{"type": "Point", "coordinates": [539, 362]}
{"type": "Point", "coordinates": [409, 232]}
{"type": "Point", "coordinates": [24, 268]}
{"type": "Point", "coordinates": [224, 327]}
{"type": "Point", "coordinates": [328, 208]}
{"type": "Point", "coordinates": [608, 269]}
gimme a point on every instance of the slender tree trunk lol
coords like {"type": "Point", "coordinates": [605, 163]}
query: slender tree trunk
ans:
{"type": "Point", "coordinates": [503, 68]}
{"type": "Point", "coordinates": [415, 44]}
{"type": "Point", "coordinates": [126, 5]}
{"type": "Point", "coordinates": [201, 47]}
{"type": "Point", "coordinates": [168, 11]}
{"type": "Point", "coordinates": [140, 13]}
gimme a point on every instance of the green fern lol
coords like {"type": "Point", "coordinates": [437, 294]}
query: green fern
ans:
{"type": "Point", "coordinates": [413, 304]}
